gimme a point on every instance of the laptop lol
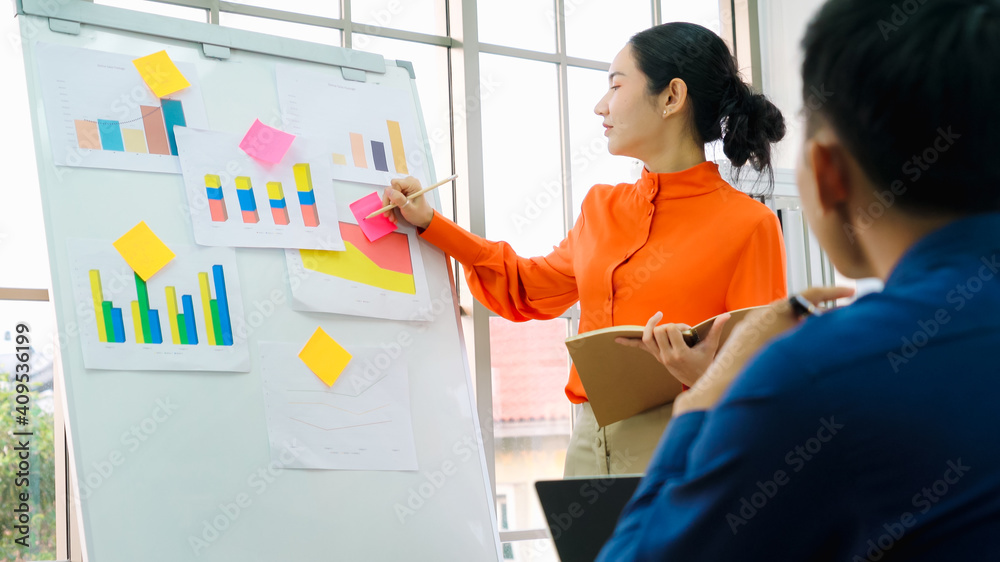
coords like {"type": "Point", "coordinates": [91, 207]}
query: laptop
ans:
{"type": "Point", "coordinates": [582, 512]}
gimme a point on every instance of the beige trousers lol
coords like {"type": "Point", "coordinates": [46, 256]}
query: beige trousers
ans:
{"type": "Point", "coordinates": [624, 447]}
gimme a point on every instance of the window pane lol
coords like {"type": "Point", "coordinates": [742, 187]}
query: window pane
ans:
{"type": "Point", "coordinates": [531, 414]}
{"type": "Point", "coordinates": [322, 8]}
{"type": "Point", "coordinates": [37, 413]}
{"type": "Point", "coordinates": [424, 16]}
{"type": "Point", "coordinates": [591, 162]}
{"type": "Point", "coordinates": [521, 162]}
{"type": "Point", "coordinates": [194, 14]}
{"type": "Point", "coordinates": [701, 12]}
{"type": "Point", "coordinates": [289, 29]}
{"type": "Point", "coordinates": [430, 66]}
{"type": "Point", "coordinates": [525, 24]}
{"type": "Point", "coordinates": [592, 34]}
{"type": "Point", "coordinates": [782, 25]}
{"type": "Point", "coordinates": [24, 260]}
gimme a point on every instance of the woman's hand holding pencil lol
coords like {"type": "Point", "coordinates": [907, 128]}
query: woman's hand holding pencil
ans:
{"type": "Point", "coordinates": [406, 195]}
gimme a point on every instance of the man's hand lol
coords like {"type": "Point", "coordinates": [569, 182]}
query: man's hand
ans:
{"type": "Point", "coordinates": [756, 331]}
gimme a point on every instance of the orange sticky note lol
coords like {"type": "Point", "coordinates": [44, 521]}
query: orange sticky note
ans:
{"type": "Point", "coordinates": [324, 357]}
{"type": "Point", "coordinates": [160, 74]}
{"type": "Point", "coordinates": [143, 251]}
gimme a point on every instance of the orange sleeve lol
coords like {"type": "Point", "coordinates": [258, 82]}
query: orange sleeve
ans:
{"type": "Point", "coordinates": [759, 278]}
{"type": "Point", "coordinates": [516, 288]}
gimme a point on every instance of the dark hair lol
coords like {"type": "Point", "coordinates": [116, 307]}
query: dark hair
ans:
{"type": "Point", "coordinates": [911, 88]}
{"type": "Point", "coordinates": [723, 105]}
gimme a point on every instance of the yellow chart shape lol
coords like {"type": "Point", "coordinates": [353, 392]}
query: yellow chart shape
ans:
{"type": "Point", "coordinates": [354, 265]}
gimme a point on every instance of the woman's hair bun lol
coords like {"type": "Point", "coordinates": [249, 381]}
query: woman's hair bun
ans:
{"type": "Point", "coordinates": [751, 125]}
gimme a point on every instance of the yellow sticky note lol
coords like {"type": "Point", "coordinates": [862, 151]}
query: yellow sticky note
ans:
{"type": "Point", "coordinates": [324, 357]}
{"type": "Point", "coordinates": [143, 251]}
{"type": "Point", "coordinates": [160, 74]}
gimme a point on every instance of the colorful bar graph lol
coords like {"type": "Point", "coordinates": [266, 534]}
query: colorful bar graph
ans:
{"type": "Point", "coordinates": [190, 328]}
{"type": "Point", "coordinates": [175, 332]}
{"type": "Point", "coordinates": [87, 135]}
{"type": "Point", "coordinates": [98, 292]}
{"type": "Point", "coordinates": [216, 199]}
{"type": "Point", "coordinates": [135, 141]}
{"type": "Point", "coordinates": [225, 323]}
{"type": "Point", "coordinates": [173, 114]}
{"type": "Point", "coordinates": [276, 197]}
{"type": "Point", "coordinates": [206, 307]}
{"type": "Point", "coordinates": [111, 135]}
{"type": "Point", "coordinates": [248, 205]}
{"type": "Point", "coordinates": [358, 150]}
{"type": "Point", "coordinates": [182, 322]}
{"type": "Point", "coordinates": [307, 197]}
{"type": "Point", "coordinates": [339, 159]}
{"type": "Point", "coordinates": [378, 156]}
{"type": "Point", "coordinates": [156, 135]}
{"type": "Point", "coordinates": [396, 143]}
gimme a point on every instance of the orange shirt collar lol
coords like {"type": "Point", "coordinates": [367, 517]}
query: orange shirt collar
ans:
{"type": "Point", "coordinates": [698, 180]}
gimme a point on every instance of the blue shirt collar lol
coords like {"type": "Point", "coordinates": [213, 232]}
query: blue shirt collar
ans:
{"type": "Point", "coordinates": [976, 235]}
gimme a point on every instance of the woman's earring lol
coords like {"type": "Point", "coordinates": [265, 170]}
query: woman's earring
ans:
{"type": "Point", "coordinates": [664, 112]}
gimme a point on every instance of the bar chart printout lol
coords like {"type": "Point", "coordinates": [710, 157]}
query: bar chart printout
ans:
{"type": "Point", "coordinates": [89, 124]}
{"type": "Point", "coordinates": [291, 204]}
{"type": "Point", "coordinates": [182, 318]}
{"type": "Point", "coordinates": [150, 133]}
{"type": "Point", "coordinates": [369, 144]}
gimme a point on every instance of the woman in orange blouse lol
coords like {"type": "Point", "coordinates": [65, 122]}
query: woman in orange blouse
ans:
{"type": "Point", "coordinates": [680, 240]}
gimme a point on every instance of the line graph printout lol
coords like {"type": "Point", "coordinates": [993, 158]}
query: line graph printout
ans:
{"type": "Point", "coordinates": [362, 422]}
{"type": "Point", "coordinates": [371, 129]}
{"type": "Point", "coordinates": [100, 113]}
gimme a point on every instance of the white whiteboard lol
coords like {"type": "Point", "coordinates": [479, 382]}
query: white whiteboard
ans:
{"type": "Point", "coordinates": [165, 459]}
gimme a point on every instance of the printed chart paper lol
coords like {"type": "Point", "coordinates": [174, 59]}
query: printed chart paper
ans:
{"type": "Point", "coordinates": [362, 422]}
{"type": "Point", "coordinates": [101, 114]}
{"type": "Point", "coordinates": [236, 200]}
{"type": "Point", "coordinates": [371, 129]}
{"type": "Point", "coordinates": [189, 317]}
{"type": "Point", "coordinates": [381, 279]}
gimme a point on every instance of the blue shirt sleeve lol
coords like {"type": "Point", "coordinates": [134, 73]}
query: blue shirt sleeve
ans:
{"type": "Point", "coordinates": [726, 482]}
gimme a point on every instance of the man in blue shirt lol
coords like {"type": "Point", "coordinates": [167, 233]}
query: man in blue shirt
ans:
{"type": "Point", "coordinates": [867, 433]}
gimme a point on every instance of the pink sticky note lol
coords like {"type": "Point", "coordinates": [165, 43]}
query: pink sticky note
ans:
{"type": "Point", "coordinates": [376, 227]}
{"type": "Point", "coordinates": [266, 143]}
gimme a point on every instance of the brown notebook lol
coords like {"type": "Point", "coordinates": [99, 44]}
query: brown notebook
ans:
{"type": "Point", "coordinates": [623, 381]}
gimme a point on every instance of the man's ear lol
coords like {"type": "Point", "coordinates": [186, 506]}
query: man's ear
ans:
{"type": "Point", "coordinates": [831, 170]}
